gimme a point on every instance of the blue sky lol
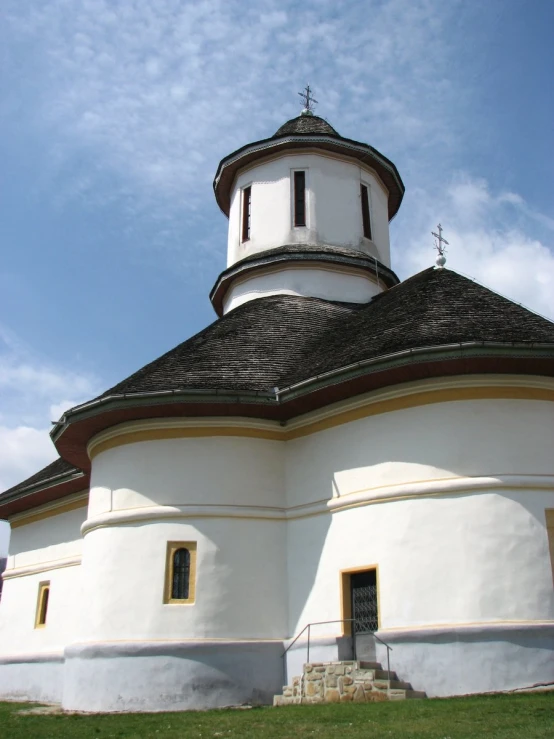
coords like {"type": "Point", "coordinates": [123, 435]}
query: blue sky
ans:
{"type": "Point", "coordinates": [114, 115]}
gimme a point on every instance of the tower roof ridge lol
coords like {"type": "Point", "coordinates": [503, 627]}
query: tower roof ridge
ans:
{"type": "Point", "coordinates": [306, 124]}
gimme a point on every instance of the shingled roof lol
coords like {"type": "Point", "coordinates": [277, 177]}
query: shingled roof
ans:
{"type": "Point", "coordinates": [55, 473]}
{"type": "Point", "coordinates": [282, 339]}
{"type": "Point", "coordinates": [306, 124]}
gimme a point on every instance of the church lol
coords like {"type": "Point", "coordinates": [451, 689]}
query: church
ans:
{"type": "Point", "coordinates": [341, 466]}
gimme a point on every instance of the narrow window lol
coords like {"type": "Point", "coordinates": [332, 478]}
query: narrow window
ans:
{"type": "Point", "coordinates": [299, 198]}
{"type": "Point", "coordinates": [246, 212]}
{"type": "Point", "coordinates": [550, 535]}
{"type": "Point", "coordinates": [180, 572]}
{"type": "Point", "coordinates": [181, 575]}
{"type": "Point", "coordinates": [365, 211]}
{"type": "Point", "coordinates": [42, 604]}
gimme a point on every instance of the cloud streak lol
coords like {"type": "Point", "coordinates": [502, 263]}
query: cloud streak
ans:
{"type": "Point", "coordinates": [158, 92]}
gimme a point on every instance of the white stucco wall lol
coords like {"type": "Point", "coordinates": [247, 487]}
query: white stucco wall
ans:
{"type": "Point", "coordinates": [446, 499]}
{"type": "Point", "coordinates": [241, 584]}
{"type": "Point", "coordinates": [47, 550]}
{"type": "Point", "coordinates": [459, 550]}
{"type": "Point", "coordinates": [333, 208]}
{"type": "Point", "coordinates": [203, 471]}
{"type": "Point", "coordinates": [326, 284]}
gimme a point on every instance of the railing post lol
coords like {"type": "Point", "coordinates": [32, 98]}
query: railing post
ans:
{"type": "Point", "coordinates": [308, 657]}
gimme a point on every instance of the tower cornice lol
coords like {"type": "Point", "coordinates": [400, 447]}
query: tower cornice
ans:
{"type": "Point", "coordinates": [250, 153]}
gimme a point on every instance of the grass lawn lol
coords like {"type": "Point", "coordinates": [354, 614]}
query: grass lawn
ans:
{"type": "Point", "coordinates": [527, 716]}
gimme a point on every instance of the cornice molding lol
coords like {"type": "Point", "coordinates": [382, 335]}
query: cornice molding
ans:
{"type": "Point", "coordinates": [35, 569]}
{"type": "Point", "coordinates": [371, 496]}
{"type": "Point", "coordinates": [401, 397]}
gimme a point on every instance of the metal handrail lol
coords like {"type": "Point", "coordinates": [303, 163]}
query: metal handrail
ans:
{"type": "Point", "coordinates": [338, 621]}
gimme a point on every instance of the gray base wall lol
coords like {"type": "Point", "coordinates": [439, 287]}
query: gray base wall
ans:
{"type": "Point", "coordinates": [171, 676]}
{"type": "Point", "coordinates": [32, 678]}
{"type": "Point", "coordinates": [472, 659]}
{"type": "Point", "coordinates": [175, 676]}
{"type": "Point", "coordinates": [449, 661]}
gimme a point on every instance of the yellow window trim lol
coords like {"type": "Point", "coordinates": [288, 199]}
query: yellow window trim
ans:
{"type": "Point", "coordinates": [346, 596]}
{"type": "Point", "coordinates": [172, 547]}
{"type": "Point", "coordinates": [42, 604]}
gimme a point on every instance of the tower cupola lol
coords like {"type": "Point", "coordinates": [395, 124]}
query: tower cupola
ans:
{"type": "Point", "coordinates": [309, 214]}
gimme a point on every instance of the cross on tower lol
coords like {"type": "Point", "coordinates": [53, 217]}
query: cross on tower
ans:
{"type": "Point", "coordinates": [308, 101]}
{"type": "Point", "coordinates": [440, 243]}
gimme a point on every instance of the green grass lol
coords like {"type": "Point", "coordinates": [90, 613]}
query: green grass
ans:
{"type": "Point", "coordinates": [527, 716]}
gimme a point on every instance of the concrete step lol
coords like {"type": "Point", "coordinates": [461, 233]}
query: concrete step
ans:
{"type": "Point", "coordinates": [392, 685]}
{"type": "Point", "coordinates": [370, 665]}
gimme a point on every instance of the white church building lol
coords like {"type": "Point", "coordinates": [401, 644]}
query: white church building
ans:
{"type": "Point", "coordinates": [338, 446]}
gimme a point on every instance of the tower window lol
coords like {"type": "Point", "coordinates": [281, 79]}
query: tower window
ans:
{"type": "Point", "coordinates": [299, 198]}
{"type": "Point", "coordinates": [42, 604]}
{"type": "Point", "coordinates": [366, 221]}
{"type": "Point", "coordinates": [180, 572]}
{"type": "Point", "coordinates": [246, 212]}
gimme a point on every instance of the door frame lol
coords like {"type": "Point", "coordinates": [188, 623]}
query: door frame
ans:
{"type": "Point", "coordinates": [346, 595]}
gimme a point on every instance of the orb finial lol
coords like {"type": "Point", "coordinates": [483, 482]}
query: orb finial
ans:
{"type": "Point", "coordinates": [308, 101]}
{"type": "Point", "coordinates": [440, 244]}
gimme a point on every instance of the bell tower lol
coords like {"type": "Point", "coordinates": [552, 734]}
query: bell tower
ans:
{"type": "Point", "coordinates": [309, 214]}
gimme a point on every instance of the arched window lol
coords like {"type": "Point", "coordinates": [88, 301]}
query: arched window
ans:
{"type": "Point", "coordinates": [181, 574]}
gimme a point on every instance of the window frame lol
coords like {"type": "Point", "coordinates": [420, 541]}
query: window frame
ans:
{"type": "Point", "coordinates": [43, 601]}
{"type": "Point", "coordinates": [171, 549]}
{"type": "Point", "coordinates": [246, 213]}
{"type": "Point", "coordinates": [365, 207]}
{"type": "Point", "coordinates": [294, 172]}
{"type": "Point", "coordinates": [345, 586]}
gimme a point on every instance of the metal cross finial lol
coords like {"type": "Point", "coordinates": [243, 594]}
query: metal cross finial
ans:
{"type": "Point", "coordinates": [308, 101]}
{"type": "Point", "coordinates": [440, 243]}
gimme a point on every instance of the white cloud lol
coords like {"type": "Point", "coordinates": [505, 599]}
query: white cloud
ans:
{"type": "Point", "coordinates": [34, 392]}
{"type": "Point", "coordinates": [159, 91]}
{"type": "Point", "coordinates": [23, 451]}
{"type": "Point", "coordinates": [493, 237]}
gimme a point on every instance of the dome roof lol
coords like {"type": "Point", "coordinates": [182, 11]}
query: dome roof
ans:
{"type": "Point", "coordinates": [307, 124]}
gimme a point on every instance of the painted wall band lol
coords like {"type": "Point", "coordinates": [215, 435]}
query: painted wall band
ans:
{"type": "Point", "coordinates": [56, 564]}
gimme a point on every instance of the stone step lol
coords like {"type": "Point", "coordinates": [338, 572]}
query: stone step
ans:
{"type": "Point", "coordinates": [342, 682]}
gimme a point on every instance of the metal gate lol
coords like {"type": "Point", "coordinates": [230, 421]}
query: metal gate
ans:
{"type": "Point", "coordinates": [364, 602]}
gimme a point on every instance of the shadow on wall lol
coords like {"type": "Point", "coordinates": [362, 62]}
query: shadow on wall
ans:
{"type": "Point", "coordinates": [4, 543]}
{"type": "Point", "coordinates": [3, 561]}
{"type": "Point", "coordinates": [61, 529]}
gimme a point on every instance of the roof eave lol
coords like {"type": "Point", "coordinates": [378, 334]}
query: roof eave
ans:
{"type": "Point", "coordinates": [287, 402]}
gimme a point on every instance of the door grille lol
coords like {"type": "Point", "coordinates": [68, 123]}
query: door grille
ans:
{"type": "Point", "coordinates": [364, 608]}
